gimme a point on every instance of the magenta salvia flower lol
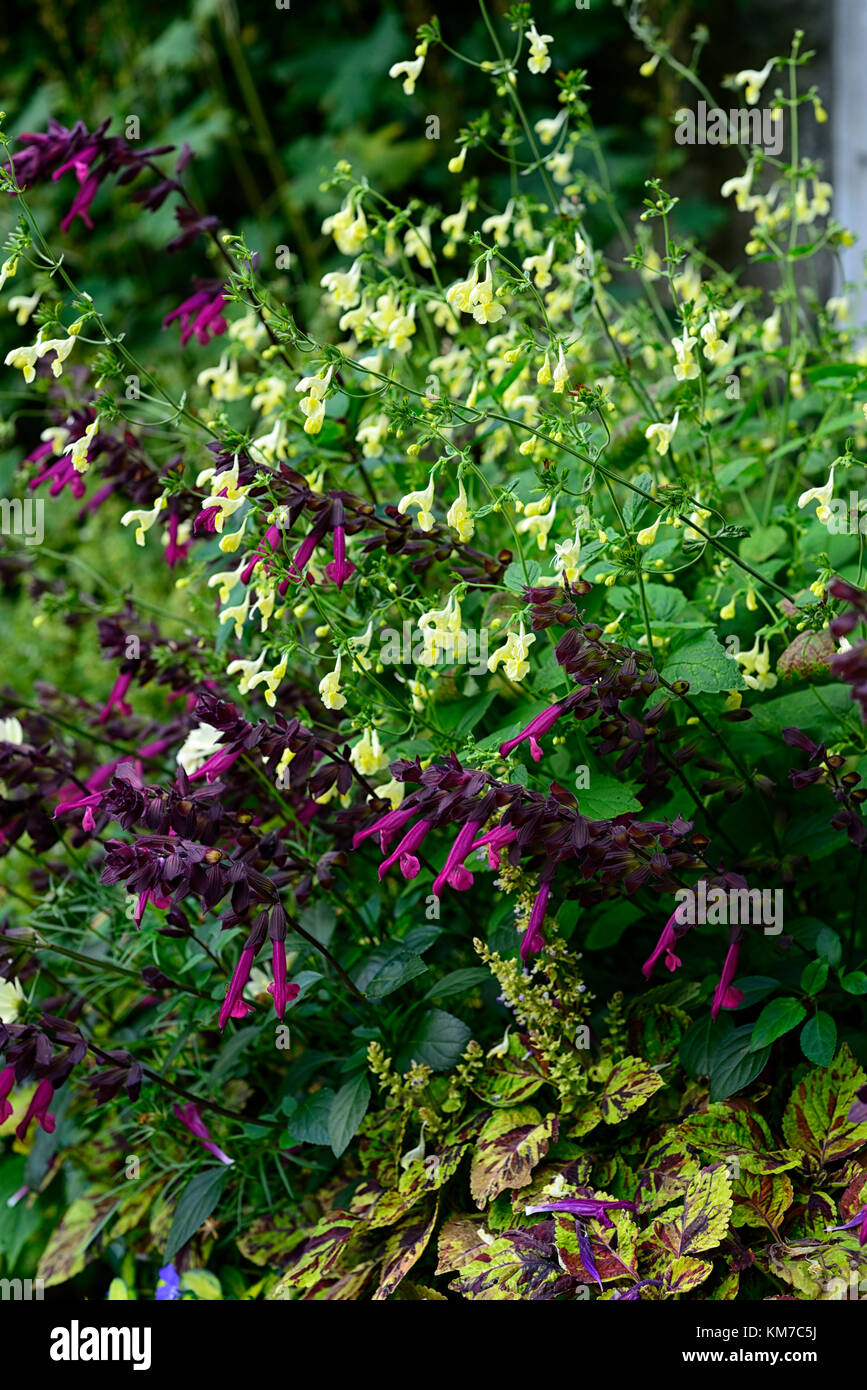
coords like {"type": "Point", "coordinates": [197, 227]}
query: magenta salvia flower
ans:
{"type": "Point", "coordinates": [539, 726]}
{"type": "Point", "coordinates": [859, 1219]}
{"type": "Point", "coordinates": [218, 762]}
{"type": "Point", "coordinates": [495, 841]}
{"type": "Point", "coordinates": [461, 847]}
{"type": "Point", "coordinates": [409, 865]}
{"type": "Point", "coordinates": [586, 1207]}
{"type": "Point", "coordinates": [725, 997]}
{"type": "Point", "coordinates": [386, 827]}
{"type": "Point", "coordinates": [534, 941]}
{"type": "Point", "coordinates": [303, 555]}
{"type": "Point", "coordinates": [201, 314]}
{"type": "Point", "coordinates": [270, 540]}
{"type": "Point", "coordinates": [190, 1115]}
{"type": "Point", "coordinates": [38, 1110]}
{"type": "Point", "coordinates": [340, 569]}
{"type": "Point", "coordinates": [116, 699]}
{"type": "Point", "coordinates": [7, 1083]}
{"type": "Point", "coordinates": [664, 947]}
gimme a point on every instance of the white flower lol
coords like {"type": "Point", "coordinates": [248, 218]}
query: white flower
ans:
{"type": "Point", "coordinates": [342, 285]}
{"type": "Point", "coordinates": [662, 433]}
{"type": "Point", "coordinates": [686, 366]}
{"type": "Point", "coordinates": [368, 755]}
{"type": "Point", "coordinates": [410, 71]}
{"type": "Point", "coordinates": [548, 130]}
{"type": "Point", "coordinates": [77, 450]}
{"type": "Point", "coordinates": [458, 514]}
{"type": "Point", "coordinates": [198, 747]}
{"type": "Point", "coordinates": [539, 60]}
{"type": "Point", "coordinates": [424, 501]}
{"type": "Point", "coordinates": [822, 495]}
{"type": "Point", "coordinates": [22, 306]}
{"type": "Point", "coordinates": [11, 999]}
{"type": "Point", "coordinates": [486, 309]}
{"type": "Point", "coordinates": [145, 519]}
{"type": "Point", "coordinates": [753, 81]}
{"type": "Point", "coordinates": [11, 730]}
{"type": "Point", "coordinates": [514, 654]}
{"type": "Point", "coordinates": [329, 689]}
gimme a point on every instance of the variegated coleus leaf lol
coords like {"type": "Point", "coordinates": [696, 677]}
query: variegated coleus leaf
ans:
{"type": "Point", "coordinates": [269, 1241]}
{"type": "Point", "coordinates": [511, 1078]}
{"type": "Point", "coordinates": [510, 1266]}
{"type": "Point", "coordinates": [613, 1250]}
{"type": "Point", "coordinates": [818, 1269]}
{"type": "Point", "coordinates": [324, 1252]}
{"type": "Point", "coordinates": [816, 1117]}
{"type": "Point", "coordinates": [704, 1219]}
{"type": "Point", "coordinates": [630, 1085]}
{"type": "Point", "coordinates": [511, 1144]}
{"type": "Point", "coordinates": [761, 1199]}
{"type": "Point", "coordinates": [404, 1247]}
{"type": "Point", "coordinates": [731, 1132]}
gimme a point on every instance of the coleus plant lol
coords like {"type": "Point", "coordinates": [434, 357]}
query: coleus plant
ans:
{"type": "Point", "coordinates": [567, 444]}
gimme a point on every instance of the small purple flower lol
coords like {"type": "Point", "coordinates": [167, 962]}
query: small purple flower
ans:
{"type": "Point", "coordinates": [190, 1115]}
{"type": "Point", "coordinates": [168, 1286]}
{"type": "Point", "coordinates": [593, 1208]}
{"type": "Point", "coordinates": [859, 1219]}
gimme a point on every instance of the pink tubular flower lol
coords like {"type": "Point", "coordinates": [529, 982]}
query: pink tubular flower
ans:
{"type": "Point", "coordinates": [116, 698]}
{"type": "Point", "coordinates": [7, 1084]}
{"type": "Point", "coordinates": [190, 1116]}
{"type": "Point", "coordinates": [38, 1110]}
{"type": "Point", "coordinates": [461, 847]}
{"type": "Point", "coordinates": [282, 992]}
{"type": "Point", "coordinates": [725, 997]}
{"type": "Point", "coordinates": [302, 557]}
{"type": "Point", "coordinates": [149, 896]}
{"type": "Point", "coordinates": [533, 941]}
{"type": "Point", "coordinates": [236, 985]}
{"type": "Point", "coordinates": [534, 731]}
{"type": "Point", "coordinates": [409, 865]}
{"type": "Point", "coordinates": [664, 946]}
{"type": "Point", "coordinates": [217, 763]}
{"type": "Point", "coordinates": [495, 841]}
{"type": "Point", "coordinates": [175, 551]}
{"type": "Point", "coordinates": [270, 540]}
{"type": "Point", "coordinates": [340, 569]}
{"type": "Point", "coordinates": [202, 314]}
{"type": "Point", "coordinates": [386, 827]}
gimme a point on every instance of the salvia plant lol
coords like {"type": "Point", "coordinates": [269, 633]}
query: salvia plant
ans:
{"type": "Point", "coordinates": [454, 891]}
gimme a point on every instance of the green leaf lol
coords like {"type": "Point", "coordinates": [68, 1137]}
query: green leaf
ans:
{"type": "Point", "coordinates": [734, 1064]}
{"type": "Point", "coordinates": [814, 976]}
{"type": "Point", "coordinates": [762, 544]}
{"type": "Point", "coordinates": [308, 1123]}
{"type": "Point", "coordinates": [516, 580]}
{"type": "Point", "coordinates": [197, 1201]}
{"type": "Point", "coordinates": [440, 1040]}
{"type": "Point", "coordinates": [776, 1018]}
{"type": "Point", "coordinates": [606, 797]}
{"type": "Point", "coordinates": [855, 982]}
{"type": "Point", "coordinates": [703, 1039]}
{"type": "Point", "coordinates": [819, 1039]}
{"type": "Point", "coordinates": [704, 663]}
{"type": "Point", "coordinates": [348, 1109]}
{"type": "Point", "coordinates": [403, 965]}
{"type": "Point", "coordinates": [829, 946]}
{"type": "Point", "coordinates": [635, 506]}
{"type": "Point", "coordinates": [459, 982]}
